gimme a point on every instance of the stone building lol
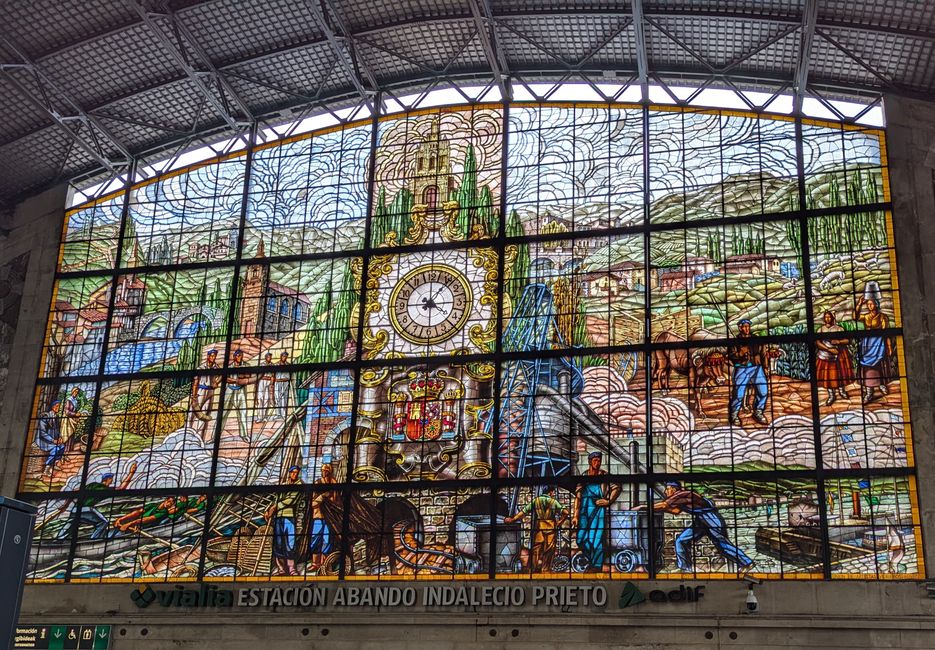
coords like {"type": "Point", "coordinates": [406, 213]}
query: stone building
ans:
{"type": "Point", "coordinates": [269, 309]}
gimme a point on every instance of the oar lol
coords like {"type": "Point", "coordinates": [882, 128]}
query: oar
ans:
{"type": "Point", "coordinates": [157, 539]}
{"type": "Point", "coordinates": [201, 523]}
{"type": "Point", "coordinates": [259, 555]}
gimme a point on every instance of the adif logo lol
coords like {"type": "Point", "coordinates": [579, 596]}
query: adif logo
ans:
{"type": "Point", "coordinates": [630, 596]}
{"type": "Point", "coordinates": [143, 598]}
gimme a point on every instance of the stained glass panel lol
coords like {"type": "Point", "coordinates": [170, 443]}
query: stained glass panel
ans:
{"type": "Point", "coordinates": [309, 196]}
{"type": "Point", "coordinates": [528, 341]}
{"type": "Point", "coordinates": [188, 217]}
{"type": "Point", "coordinates": [91, 235]}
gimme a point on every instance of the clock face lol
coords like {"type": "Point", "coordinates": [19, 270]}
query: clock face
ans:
{"type": "Point", "coordinates": [430, 304]}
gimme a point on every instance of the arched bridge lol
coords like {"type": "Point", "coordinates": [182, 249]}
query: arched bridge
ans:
{"type": "Point", "coordinates": [175, 319]}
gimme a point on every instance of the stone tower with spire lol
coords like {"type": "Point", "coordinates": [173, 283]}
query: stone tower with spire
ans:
{"type": "Point", "coordinates": [432, 182]}
{"type": "Point", "coordinates": [253, 296]}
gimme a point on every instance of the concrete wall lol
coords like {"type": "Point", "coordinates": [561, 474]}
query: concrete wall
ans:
{"type": "Point", "coordinates": [35, 228]}
{"type": "Point", "coordinates": [840, 614]}
{"type": "Point", "coordinates": [911, 147]}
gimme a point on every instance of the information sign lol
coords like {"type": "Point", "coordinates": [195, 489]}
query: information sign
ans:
{"type": "Point", "coordinates": [63, 637]}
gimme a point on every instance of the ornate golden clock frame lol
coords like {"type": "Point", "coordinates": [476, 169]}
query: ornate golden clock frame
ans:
{"type": "Point", "coordinates": [482, 336]}
{"type": "Point", "coordinates": [458, 281]}
{"type": "Point", "coordinates": [468, 454]}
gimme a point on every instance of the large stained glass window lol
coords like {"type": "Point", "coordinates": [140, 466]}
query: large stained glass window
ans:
{"type": "Point", "coordinates": [484, 342]}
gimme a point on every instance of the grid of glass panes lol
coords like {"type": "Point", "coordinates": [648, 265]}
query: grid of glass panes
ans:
{"type": "Point", "coordinates": [570, 339]}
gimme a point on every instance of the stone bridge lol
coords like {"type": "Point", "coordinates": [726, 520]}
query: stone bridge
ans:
{"type": "Point", "coordinates": [176, 318]}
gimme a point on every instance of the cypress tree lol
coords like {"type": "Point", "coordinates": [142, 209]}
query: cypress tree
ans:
{"type": "Point", "coordinates": [379, 224]}
{"type": "Point", "coordinates": [466, 195]}
{"type": "Point", "coordinates": [520, 268]}
{"type": "Point", "coordinates": [400, 214]}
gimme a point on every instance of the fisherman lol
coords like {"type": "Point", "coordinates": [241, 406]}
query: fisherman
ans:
{"type": "Point", "coordinates": [321, 539]}
{"type": "Point", "coordinates": [169, 509]}
{"type": "Point", "coordinates": [49, 437]}
{"type": "Point", "coordinates": [155, 512]}
{"type": "Point", "coordinates": [86, 509]}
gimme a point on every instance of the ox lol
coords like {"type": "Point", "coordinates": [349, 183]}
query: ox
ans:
{"type": "Point", "coordinates": [705, 369]}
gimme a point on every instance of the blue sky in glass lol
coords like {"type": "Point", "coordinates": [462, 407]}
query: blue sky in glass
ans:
{"type": "Point", "coordinates": [830, 148]}
{"type": "Point", "coordinates": [576, 155]}
{"type": "Point", "coordinates": [207, 194]}
{"type": "Point", "coordinates": [89, 222]}
{"type": "Point", "coordinates": [320, 182]}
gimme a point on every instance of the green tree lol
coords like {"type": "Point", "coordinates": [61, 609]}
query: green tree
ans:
{"type": "Point", "coordinates": [520, 269]}
{"type": "Point", "coordinates": [380, 224]}
{"type": "Point", "coordinates": [466, 196]}
{"type": "Point", "coordinates": [328, 328]}
{"type": "Point", "coordinates": [133, 253]}
{"type": "Point", "coordinates": [400, 214]}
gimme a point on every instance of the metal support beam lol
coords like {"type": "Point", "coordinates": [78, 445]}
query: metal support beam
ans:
{"type": "Point", "coordinates": [342, 46]}
{"type": "Point", "coordinates": [99, 136]}
{"type": "Point", "coordinates": [204, 74]}
{"type": "Point", "coordinates": [642, 60]}
{"type": "Point", "coordinates": [487, 33]}
{"type": "Point", "coordinates": [809, 21]}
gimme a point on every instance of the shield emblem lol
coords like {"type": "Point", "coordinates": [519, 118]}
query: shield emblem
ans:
{"type": "Point", "coordinates": [423, 420]}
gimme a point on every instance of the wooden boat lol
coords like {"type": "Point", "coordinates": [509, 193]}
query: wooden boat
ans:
{"type": "Point", "coordinates": [177, 562]}
{"type": "Point", "coordinates": [803, 546]}
{"type": "Point", "coordinates": [54, 551]}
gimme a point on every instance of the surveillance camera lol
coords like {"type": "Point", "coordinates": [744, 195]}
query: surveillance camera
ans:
{"type": "Point", "coordinates": [752, 603]}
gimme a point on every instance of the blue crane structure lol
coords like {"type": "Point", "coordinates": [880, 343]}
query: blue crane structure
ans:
{"type": "Point", "coordinates": [532, 328]}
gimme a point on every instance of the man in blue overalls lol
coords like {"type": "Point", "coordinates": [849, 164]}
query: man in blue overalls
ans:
{"type": "Point", "coordinates": [590, 513]}
{"type": "Point", "coordinates": [706, 522]}
{"type": "Point", "coordinates": [750, 361]}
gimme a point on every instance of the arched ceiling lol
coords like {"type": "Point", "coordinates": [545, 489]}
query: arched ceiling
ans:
{"type": "Point", "coordinates": [92, 84]}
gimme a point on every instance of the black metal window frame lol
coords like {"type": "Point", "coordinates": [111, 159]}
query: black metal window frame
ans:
{"type": "Point", "coordinates": [820, 474]}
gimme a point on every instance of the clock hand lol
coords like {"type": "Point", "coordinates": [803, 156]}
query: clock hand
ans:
{"type": "Point", "coordinates": [440, 289]}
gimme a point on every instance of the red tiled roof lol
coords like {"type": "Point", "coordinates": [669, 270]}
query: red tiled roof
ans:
{"type": "Point", "coordinates": [288, 291]}
{"type": "Point", "coordinates": [93, 315]}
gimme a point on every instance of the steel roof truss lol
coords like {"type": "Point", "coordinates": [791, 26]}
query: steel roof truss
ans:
{"type": "Point", "coordinates": [639, 38]}
{"type": "Point", "coordinates": [42, 99]}
{"type": "Point", "coordinates": [887, 82]}
{"type": "Point", "coordinates": [800, 83]}
{"type": "Point", "coordinates": [343, 50]}
{"type": "Point", "coordinates": [487, 33]}
{"type": "Point", "coordinates": [205, 74]}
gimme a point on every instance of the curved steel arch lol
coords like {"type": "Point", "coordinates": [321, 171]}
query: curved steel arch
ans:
{"type": "Point", "coordinates": [357, 75]}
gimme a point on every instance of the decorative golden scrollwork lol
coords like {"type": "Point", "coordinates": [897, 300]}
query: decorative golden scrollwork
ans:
{"type": "Point", "coordinates": [380, 266]}
{"type": "Point", "coordinates": [419, 230]}
{"type": "Point", "coordinates": [475, 470]}
{"type": "Point", "coordinates": [450, 228]}
{"type": "Point", "coordinates": [480, 371]}
{"type": "Point", "coordinates": [475, 431]}
{"type": "Point", "coordinates": [368, 473]}
{"type": "Point", "coordinates": [371, 377]}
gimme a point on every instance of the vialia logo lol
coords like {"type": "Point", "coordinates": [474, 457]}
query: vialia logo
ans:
{"type": "Point", "coordinates": [206, 596]}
